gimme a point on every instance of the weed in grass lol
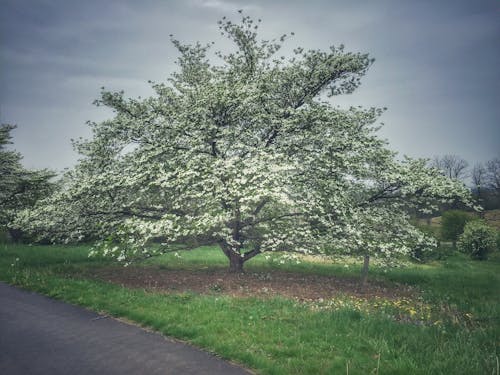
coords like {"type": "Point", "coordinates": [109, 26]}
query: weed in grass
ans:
{"type": "Point", "coordinates": [216, 288]}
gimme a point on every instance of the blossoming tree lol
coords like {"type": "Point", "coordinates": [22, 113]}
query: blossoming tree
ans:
{"type": "Point", "coordinates": [19, 187]}
{"type": "Point", "coordinates": [248, 153]}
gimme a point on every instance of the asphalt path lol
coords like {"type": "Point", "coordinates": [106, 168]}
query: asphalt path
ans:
{"type": "Point", "coordinates": [42, 336]}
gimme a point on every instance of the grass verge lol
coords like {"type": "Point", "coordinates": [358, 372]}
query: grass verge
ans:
{"type": "Point", "coordinates": [283, 336]}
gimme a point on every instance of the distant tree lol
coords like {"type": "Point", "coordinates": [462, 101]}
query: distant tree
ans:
{"type": "Point", "coordinates": [248, 155]}
{"type": "Point", "coordinates": [479, 180]}
{"type": "Point", "coordinates": [453, 223]}
{"type": "Point", "coordinates": [20, 188]}
{"type": "Point", "coordinates": [452, 166]}
{"type": "Point", "coordinates": [493, 174]}
{"type": "Point", "coordinates": [486, 183]}
{"type": "Point", "coordinates": [479, 177]}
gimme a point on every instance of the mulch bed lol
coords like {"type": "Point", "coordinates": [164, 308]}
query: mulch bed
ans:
{"type": "Point", "coordinates": [261, 284]}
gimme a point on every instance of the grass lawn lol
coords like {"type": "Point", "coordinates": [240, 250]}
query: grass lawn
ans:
{"type": "Point", "coordinates": [449, 325]}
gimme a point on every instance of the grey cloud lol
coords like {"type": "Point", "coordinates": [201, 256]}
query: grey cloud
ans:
{"type": "Point", "coordinates": [436, 63]}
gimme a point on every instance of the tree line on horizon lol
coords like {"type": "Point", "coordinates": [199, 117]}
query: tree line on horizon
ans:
{"type": "Point", "coordinates": [483, 178]}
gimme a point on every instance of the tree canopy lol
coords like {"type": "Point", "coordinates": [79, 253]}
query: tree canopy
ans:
{"type": "Point", "coordinates": [20, 188]}
{"type": "Point", "coordinates": [247, 150]}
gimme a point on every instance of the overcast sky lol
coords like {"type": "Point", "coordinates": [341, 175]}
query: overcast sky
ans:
{"type": "Point", "coordinates": [436, 69]}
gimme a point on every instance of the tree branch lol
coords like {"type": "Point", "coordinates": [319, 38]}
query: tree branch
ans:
{"type": "Point", "coordinates": [252, 222]}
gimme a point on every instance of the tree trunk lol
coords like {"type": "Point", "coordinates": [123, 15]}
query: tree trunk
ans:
{"type": "Point", "coordinates": [237, 259]}
{"type": "Point", "coordinates": [236, 263]}
{"type": "Point", "coordinates": [364, 270]}
{"type": "Point", "coordinates": [15, 235]}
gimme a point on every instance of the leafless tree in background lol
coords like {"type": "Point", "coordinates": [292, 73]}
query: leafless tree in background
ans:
{"type": "Point", "coordinates": [493, 174]}
{"type": "Point", "coordinates": [479, 177]}
{"type": "Point", "coordinates": [486, 183]}
{"type": "Point", "coordinates": [452, 166]}
{"type": "Point", "coordinates": [479, 182]}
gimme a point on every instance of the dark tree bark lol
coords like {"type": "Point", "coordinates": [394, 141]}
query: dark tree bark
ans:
{"type": "Point", "coordinates": [364, 270]}
{"type": "Point", "coordinates": [236, 257]}
{"type": "Point", "coordinates": [15, 235]}
{"type": "Point", "coordinates": [236, 262]}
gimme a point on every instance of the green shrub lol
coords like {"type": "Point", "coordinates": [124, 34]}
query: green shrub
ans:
{"type": "Point", "coordinates": [422, 254]}
{"type": "Point", "coordinates": [478, 240]}
{"type": "Point", "coordinates": [453, 223]}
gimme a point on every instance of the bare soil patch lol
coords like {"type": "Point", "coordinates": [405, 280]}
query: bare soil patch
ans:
{"type": "Point", "coordinates": [262, 284]}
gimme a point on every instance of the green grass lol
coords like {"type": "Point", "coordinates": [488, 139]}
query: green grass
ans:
{"type": "Point", "coordinates": [281, 336]}
{"type": "Point", "coordinates": [212, 257]}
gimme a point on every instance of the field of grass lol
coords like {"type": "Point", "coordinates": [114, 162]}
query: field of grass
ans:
{"type": "Point", "coordinates": [492, 217]}
{"type": "Point", "coordinates": [453, 327]}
